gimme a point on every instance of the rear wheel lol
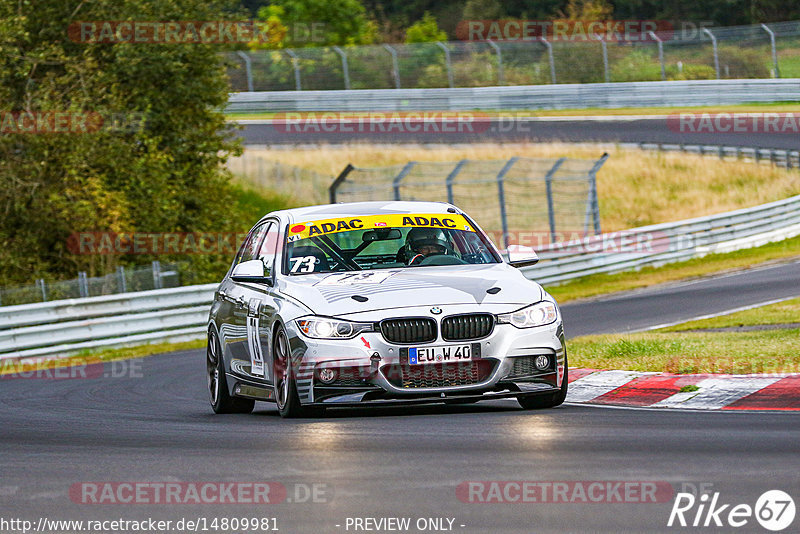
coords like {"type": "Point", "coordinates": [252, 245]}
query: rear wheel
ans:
{"type": "Point", "coordinates": [221, 401]}
{"type": "Point", "coordinates": [286, 396]}
{"type": "Point", "coordinates": [551, 400]}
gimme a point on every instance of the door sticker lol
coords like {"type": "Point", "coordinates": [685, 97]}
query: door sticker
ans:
{"type": "Point", "coordinates": [256, 358]}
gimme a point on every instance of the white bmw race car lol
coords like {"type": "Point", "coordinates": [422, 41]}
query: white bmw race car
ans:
{"type": "Point", "coordinates": [378, 303]}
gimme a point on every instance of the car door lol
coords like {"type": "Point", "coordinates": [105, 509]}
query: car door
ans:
{"type": "Point", "coordinates": [264, 303]}
{"type": "Point", "coordinates": [242, 298]}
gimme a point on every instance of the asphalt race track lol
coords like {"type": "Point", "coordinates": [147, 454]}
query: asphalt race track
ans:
{"type": "Point", "coordinates": [149, 421]}
{"type": "Point", "coordinates": [544, 129]}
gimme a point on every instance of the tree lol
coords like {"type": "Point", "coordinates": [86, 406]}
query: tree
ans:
{"type": "Point", "coordinates": [322, 22]}
{"type": "Point", "coordinates": [160, 174]}
{"type": "Point", "coordinates": [425, 31]}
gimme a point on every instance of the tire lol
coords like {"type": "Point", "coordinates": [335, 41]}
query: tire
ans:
{"type": "Point", "coordinates": [538, 402]}
{"type": "Point", "coordinates": [286, 397]}
{"type": "Point", "coordinates": [221, 400]}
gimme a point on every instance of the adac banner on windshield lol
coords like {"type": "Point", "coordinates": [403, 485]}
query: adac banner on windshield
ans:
{"type": "Point", "coordinates": [368, 222]}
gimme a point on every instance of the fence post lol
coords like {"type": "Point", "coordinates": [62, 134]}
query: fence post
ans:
{"type": "Point", "coordinates": [501, 197]}
{"type": "Point", "coordinates": [774, 49]}
{"type": "Point", "coordinates": [451, 178]}
{"type": "Point", "coordinates": [338, 181]}
{"type": "Point", "coordinates": [548, 183]}
{"type": "Point", "coordinates": [156, 274]}
{"type": "Point", "coordinates": [552, 61]}
{"type": "Point", "coordinates": [447, 63]}
{"type": "Point", "coordinates": [395, 67]}
{"type": "Point", "coordinates": [593, 206]}
{"type": "Point", "coordinates": [501, 77]}
{"type": "Point", "coordinates": [604, 46]}
{"type": "Point", "coordinates": [345, 68]}
{"type": "Point", "coordinates": [122, 285]}
{"type": "Point", "coordinates": [83, 284]}
{"type": "Point", "coordinates": [43, 288]}
{"type": "Point", "coordinates": [247, 69]}
{"type": "Point", "coordinates": [660, 44]}
{"type": "Point", "coordinates": [296, 67]}
{"type": "Point", "coordinates": [714, 46]}
{"type": "Point", "coordinates": [399, 178]}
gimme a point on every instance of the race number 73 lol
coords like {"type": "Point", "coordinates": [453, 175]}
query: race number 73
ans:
{"type": "Point", "coordinates": [304, 264]}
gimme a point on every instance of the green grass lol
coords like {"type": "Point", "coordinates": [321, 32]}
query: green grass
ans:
{"type": "Point", "coordinates": [675, 351]}
{"type": "Point", "coordinates": [767, 351]}
{"type": "Point", "coordinates": [786, 312]}
{"type": "Point", "coordinates": [790, 64]}
{"type": "Point", "coordinates": [594, 285]}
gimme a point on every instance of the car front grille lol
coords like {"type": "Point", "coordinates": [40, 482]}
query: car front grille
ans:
{"type": "Point", "coordinates": [411, 330]}
{"type": "Point", "coordinates": [465, 327]}
{"type": "Point", "coordinates": [438, 375]}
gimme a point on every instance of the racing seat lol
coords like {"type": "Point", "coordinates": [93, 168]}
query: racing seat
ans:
{"type": "Point", "coordinates": [322, 261]}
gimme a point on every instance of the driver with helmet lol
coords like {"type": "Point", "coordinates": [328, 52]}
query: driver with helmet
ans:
{"type": "Point", "coordinates": [424, 242]}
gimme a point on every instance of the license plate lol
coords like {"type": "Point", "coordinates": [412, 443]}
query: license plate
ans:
{"type": "Point", "coordinates": [442, 354]}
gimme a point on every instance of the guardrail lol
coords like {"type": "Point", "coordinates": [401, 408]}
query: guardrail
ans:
{"type": "Point", "coordinates": [774, 156]}
{"type": "Point", "coordinates": [64, 327]}
{"type": "Point", "coordinates": [659, 244]}
{"type": "Point", "coordinates": [61, 328]}
{"type": "Point", "coordinates": [563, 96]}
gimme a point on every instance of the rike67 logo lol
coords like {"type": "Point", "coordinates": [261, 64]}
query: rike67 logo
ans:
{"type": "Point", "coordinates": [774, 510]}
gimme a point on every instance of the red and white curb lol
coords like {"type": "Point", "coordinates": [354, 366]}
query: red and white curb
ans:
{"type": "Point", "coordinates": [662, 390]}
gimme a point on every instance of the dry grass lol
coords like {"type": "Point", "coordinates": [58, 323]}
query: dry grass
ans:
{"type": "Point", "coordinates": [635, 187]}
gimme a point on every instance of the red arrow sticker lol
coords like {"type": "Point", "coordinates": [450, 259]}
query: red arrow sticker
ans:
{"type": "Point", "coordinates": [366, 343]}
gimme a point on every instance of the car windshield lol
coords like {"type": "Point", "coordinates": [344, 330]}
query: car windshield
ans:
{"type": "Point", "coordinates": [384, 242]}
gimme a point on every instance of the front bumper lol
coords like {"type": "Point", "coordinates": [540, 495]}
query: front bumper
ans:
{"type": "Point", "coordinates": [371, 370]}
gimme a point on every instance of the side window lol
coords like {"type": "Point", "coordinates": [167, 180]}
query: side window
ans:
{"type": "Point", "coordinates": [269, 248]}
{"type": "Point", "coordinates": [250, 246]}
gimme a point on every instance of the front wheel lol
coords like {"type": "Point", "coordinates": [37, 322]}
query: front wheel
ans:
{"type": "Point", "coordinates": [537, 402]}
{"type": "Point", "coordinates": [221, 401]}
{"type": "Point", "coordinates": [286, 396]}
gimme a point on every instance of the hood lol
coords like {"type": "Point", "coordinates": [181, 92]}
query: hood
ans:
{"type": "Point", "coordinates": [332, 293]}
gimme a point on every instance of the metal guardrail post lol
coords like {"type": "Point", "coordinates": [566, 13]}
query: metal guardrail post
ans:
{"type": "Point", "coordinates": [660, 44]}
{"type": "Point", "coordinates": [501, 77]}
{"type": "Point", "coordinates": [247, 69]}
{"type": "Point", "coordinates": [395, 66]}
{"type": "Point", "coordinates": [593, 205]}
{"type": "Point", "coordinates": [604, 46]}
{"type": "Point", "coordinates": [122, 284]}
{"type": "Point", "coordinates": [399, 178]}
{"type": "Point", "coordinates": [338, 181]}
{"type": "Point", "coordinates": [548, 184]}
{"type": "Point", "coordinates": [714, 46]}
{"type": "Point", "coordinates": [83, 284]}
{"type": "Point", "coordinates": [451, 178]}
{"type": "Point", "coordinates": [43, 288]}
{"type": "Point", "coordinates": [447, 62]}
{"type": "Point", "coordinates": [501, 197]}
{"type": "Point", "coordinates": [296, 67]}
{"type": "Point", "coordinates": [774, 49]}
{"type": "Point", "coordinates": [157, 275]}
{"type": "Point", "coordinates": [550, 58]}
{"type": "Point", "coordinates": [345, 67]}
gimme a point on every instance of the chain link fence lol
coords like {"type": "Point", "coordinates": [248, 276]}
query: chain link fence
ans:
{"type": "Point", "coordinates": [508, 197]}
{"type": "Point", "coordinates": [755, 51]}
{"type": "Point", "coordinates": [154, 276]}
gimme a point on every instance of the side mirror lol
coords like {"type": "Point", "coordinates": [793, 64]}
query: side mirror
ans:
{"type": "Point", "coordinates": [250, 271]}
{"type": "Point", "coordinates": [527, 262]}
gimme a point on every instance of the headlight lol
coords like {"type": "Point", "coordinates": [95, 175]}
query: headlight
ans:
{"type": "Point", "coordinates": [323, 328]}
{"type": "Point", "coordinates": [539, 314]}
